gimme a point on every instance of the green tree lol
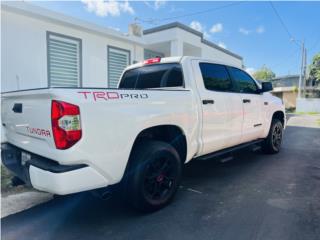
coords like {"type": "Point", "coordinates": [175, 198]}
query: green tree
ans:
{"type": "Point", "coordinates": [314, 69]}
{"type": "Point", "coordinates": [264, 74]}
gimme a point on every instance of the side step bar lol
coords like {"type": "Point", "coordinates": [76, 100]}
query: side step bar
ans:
{"type": "Point", "coordinates": [229, 150]}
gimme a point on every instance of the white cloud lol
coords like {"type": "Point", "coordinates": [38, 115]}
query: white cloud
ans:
{"type": "Point", "coordinates": [125, 6]}
{"type": "Point", "coordinates": [200, 28]}
{"type": "Point", "coordinates": [196, 26]}
{"type": "Point", "coordinates": [244, 31]}
{"type": "Point", "coordinates": [155, 5]}
{"type": "Point", "coordinates": [222, 44]}
{"type": "Point", "coordinates": [216, 28]}
{"type": "Point", "coordinates": [250, 70]}
{"type": "Point", "coordinates": [159, 3]}
{"type": "Point", "coordinates": [260, 29]}
{"type": "Point", "coordinates": [108, 8]}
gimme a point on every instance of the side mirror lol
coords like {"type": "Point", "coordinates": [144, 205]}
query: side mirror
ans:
{"type": "Point", "coordinates": [266, 87]}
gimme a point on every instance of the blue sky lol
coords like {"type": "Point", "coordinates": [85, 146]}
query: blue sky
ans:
{"type": "Point", "coordinates": [250, 29]}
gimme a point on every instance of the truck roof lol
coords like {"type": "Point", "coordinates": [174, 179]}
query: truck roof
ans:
{"type": "Point", "coordinates": [162, 60]}
{"type": "Point", "coordinates": [159, 60]}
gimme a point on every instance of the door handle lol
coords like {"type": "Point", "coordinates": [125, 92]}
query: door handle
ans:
{"type": "Point", "coordinates": [208, 101]}
{"type": "Point", "coordinates": [246, 100]}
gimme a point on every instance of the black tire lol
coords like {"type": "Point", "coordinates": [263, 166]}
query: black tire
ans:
{"type": "Point", "coordinates": [272, 143]}
{"type": "Point", "coordinates": [153, 175]}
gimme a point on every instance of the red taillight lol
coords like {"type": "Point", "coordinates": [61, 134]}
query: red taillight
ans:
{"type": "Point", "coordinates": [152, 60]}
{"type": "Point", "coordinates": [66, 127]}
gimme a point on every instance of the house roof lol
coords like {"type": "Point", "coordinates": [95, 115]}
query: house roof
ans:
{"type": "Point", "coordinates": [32, 10]}
{"type": "Point", "coordinates": [285, 77]}
{"type": "Point", "coordinates": [284, 89]}
{"type": "Point", "coordinates": [190, 30]}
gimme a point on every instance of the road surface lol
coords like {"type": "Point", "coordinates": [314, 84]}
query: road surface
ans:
{"type": "Point", "coordinates": [255, 196]}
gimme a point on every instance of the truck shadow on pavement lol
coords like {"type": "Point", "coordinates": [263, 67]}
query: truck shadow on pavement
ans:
{"type": "Point", "coordinates": [207, 188]}
{"type": "Point", "coordinates": [69, 213]}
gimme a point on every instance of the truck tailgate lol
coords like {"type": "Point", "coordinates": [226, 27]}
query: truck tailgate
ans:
{"type": "Point", "coordinates": [26, 119]}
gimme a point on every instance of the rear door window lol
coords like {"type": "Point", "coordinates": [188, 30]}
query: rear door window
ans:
{"type": "Point", "coordinates": [153, 76]}
{"type": "Point", "coordinates": [216, 77]}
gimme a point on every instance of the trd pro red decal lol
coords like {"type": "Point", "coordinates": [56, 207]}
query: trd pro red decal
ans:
{"type": "Point", "coordinates": [106, 95]}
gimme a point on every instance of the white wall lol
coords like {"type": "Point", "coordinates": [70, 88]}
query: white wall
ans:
{"type": "Point", "coordinates": [190, 50]}
{"type": "Point", "coordinates": [179, 38]}
{"type": "Point", "coordinates": [308, 105]}
{"type": "Point", "coordinates": [215, 54]}
{"type": "Point", "coordinates": [24, 50]}
{"type": "Point", "coordinates": [24, 54]}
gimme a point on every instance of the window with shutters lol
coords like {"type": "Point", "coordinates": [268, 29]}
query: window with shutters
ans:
{"type": "Point", "coordinates": [118, 60]}
{"type": "Point", "coordinates": [64, 60]}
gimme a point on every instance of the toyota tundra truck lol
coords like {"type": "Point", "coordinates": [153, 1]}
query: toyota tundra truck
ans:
{"type": "Point", "coordinates": [164, 113]}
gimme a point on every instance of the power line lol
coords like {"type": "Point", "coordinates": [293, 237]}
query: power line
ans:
{"type": "Point", "coordinates": [281, 21]}
{"type": "Point", "coordinates": [155, 20]}
{"type": "Point", "coordinates": [303, 55]}
{"type": "Point", "coordinates": [201, 12]}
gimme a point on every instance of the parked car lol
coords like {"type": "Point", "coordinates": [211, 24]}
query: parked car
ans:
{"type": "Point", "coordinates": [164, 113]}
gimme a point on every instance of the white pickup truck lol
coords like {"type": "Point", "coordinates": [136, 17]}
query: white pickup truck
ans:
{"type": "Point", "coordinates": [164, 113]}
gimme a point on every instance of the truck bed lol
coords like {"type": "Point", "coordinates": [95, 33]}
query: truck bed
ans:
{"type": "Point", "coordinates": [110, 119]}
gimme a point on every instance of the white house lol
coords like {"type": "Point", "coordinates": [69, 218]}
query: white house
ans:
{"type": "Point", "coordinates": [41, 48]}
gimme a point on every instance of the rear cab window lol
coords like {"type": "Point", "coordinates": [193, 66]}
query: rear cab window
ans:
{"type": "Point", "coordinates": [165, 75]}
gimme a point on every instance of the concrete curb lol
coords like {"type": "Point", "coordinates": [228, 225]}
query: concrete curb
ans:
{"type": "Point", "coordinates": [21, 201]}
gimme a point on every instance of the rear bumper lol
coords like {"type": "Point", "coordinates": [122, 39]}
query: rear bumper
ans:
{"type": "Point", "coordinates": [49, 176]}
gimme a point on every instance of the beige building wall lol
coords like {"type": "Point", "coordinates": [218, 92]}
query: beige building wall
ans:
{"type": "Point", "coordinates": [289, 98]}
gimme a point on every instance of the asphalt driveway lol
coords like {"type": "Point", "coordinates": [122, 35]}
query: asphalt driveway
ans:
{"type": "Point", "coordinates": [255, 196]}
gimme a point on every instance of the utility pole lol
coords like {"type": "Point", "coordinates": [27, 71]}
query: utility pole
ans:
{"type": "Point", "coordinates": [305, 73]}
{"type": "Point", "coordinates": [302, 68]}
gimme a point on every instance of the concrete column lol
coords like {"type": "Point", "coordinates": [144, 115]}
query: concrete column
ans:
{"type": "Point", "coordinates": [176, 48]}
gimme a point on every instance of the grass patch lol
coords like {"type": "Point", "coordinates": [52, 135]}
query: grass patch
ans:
{"type": "Point", "coordinates": [6, 185]}
{"type": "Point", "coordinates": [290, 110]}
{"type": "Point", "coordinates": [307, 113]}
{"type": "Point", "coordinates": [5, 179]}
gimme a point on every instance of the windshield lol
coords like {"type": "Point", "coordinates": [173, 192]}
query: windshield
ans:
{"type": "Point", "coordinates": [153, 76]}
